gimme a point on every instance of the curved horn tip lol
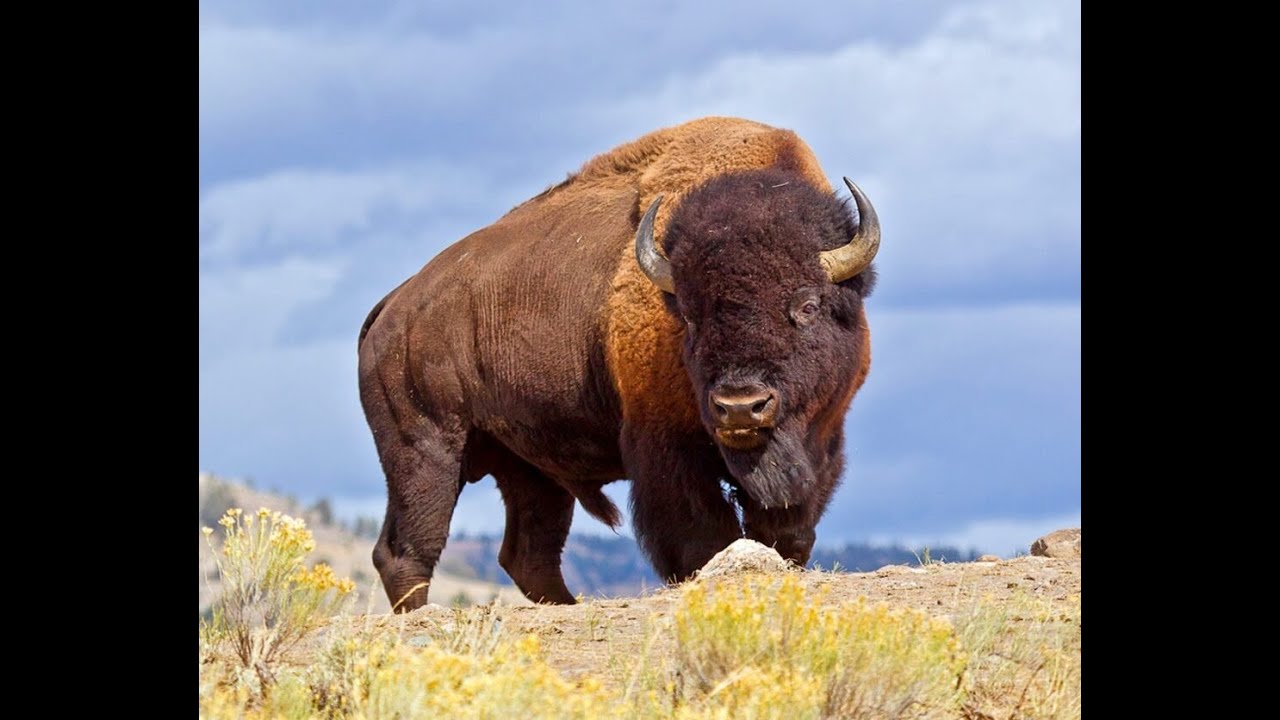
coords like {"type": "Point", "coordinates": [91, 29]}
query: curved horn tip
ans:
{"type": "Point", "coordinates": [855, 256]}
{"type": "Point", "coordinates": [654, 265]}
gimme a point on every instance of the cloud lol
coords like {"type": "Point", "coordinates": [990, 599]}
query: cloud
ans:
{"type": "Point", "coordinates": [967, 140]}
{"type": "Point", "coordinates": [314, 210]}
{"type": "Point", "coordinates": [980, 74]}
{"type": "Point", "coordinates": [964, 128]}
{"type": "Point", "coordinates": [301, 255]}
{"type": "Point", "coordinates": [257, 75]}
{"type": "Point", "coordinates": [289, 417]}
{"type": "Point", "coordinates": [242, 309]}
{"type": "Point", "coordinates": [967, 413]}
{"type": "Point", "coordinates": [519, 87]}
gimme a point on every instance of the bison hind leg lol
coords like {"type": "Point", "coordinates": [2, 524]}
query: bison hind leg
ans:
{"type": "Point", "coordinates": [424, 479]}
{"type": "Point", "coordinates": [539, 513]}
{"type": "Point", "coordinates": [405, 576]}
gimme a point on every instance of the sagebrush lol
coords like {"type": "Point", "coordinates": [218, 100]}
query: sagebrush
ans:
{"type": "Point", "coordinates": [269, 598]}
{"type": "Point", "coordinates": [751, 647]}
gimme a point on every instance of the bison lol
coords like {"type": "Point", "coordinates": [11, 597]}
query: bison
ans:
{"type": "Point", "coordinates": [685, 311]}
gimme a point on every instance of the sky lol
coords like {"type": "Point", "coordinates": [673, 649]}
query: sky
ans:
{"type": "Point", "coordinates": [343, 144]}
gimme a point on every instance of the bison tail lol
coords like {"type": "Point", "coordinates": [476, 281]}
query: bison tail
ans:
{"type": "Point", "coordinates": [600, 507]}
{"type": "Point", "coordinates": [373, 314]}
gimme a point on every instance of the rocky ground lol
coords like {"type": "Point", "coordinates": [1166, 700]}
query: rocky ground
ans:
{"type": "Point", "coordinates": [599, 633]}
{"type": "Point", "coordinates": [603, 637]}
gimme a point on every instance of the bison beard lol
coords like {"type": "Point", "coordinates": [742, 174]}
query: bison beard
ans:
{"type": "Point", "coordinates": [778, 475]}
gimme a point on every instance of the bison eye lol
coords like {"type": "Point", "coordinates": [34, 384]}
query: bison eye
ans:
{"type": "Point", "coordinates": [805, 307]}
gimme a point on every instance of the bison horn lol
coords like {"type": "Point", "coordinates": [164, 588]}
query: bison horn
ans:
{"type": "Point", "coordinates": [849, 260]}
{"type": "Point", "coordinates": [656, 267]}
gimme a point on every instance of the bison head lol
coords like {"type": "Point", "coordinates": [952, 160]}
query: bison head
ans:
{"type": "Point", "coordinates": [768, 274]}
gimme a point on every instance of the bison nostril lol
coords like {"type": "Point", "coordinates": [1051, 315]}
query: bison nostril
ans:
{"type": "Point", "coordinates": [743, 408]}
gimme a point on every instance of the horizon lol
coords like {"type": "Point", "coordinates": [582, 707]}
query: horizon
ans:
{"type": "Point", "coordinates": [1005, 540]}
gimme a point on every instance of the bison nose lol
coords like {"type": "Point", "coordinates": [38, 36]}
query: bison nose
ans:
{"type": "Point", "coordinates": [752, 407]}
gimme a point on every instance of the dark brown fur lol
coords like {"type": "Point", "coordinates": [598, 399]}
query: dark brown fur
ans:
{"type": "Point", "coordinates": [534, 350]}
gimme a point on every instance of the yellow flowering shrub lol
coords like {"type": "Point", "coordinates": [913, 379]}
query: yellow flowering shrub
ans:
{"type": "Point", "coordinates": [741, 648]}
{"type": "Point", "coordinates": [856, 661]}
{"type": "Point", "coordinates": [270, 600]}
{"type": "Point", "coordinates": [289, 699]}
{"type": "Point", "coordinates": [756, 694]}
{"type": "Point", "coordinates": [513, 682]}
{"type": "Point", "coordinates": [343, 673]}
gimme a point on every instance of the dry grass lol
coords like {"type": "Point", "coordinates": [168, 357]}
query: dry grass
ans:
{"type": "Point", "coordinates": [1025, 658]}
{"type": "Point", "coordinates": [793, 646]}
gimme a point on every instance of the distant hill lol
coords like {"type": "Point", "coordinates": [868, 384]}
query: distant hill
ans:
{"type": "Point", "coordinates": [857, 557]}
{"type": "Point", "coordinates": [468, 572]}
{"type": "Point", "coordinates": [615, 566]}
{"type": "Point", "coordinates": [349, 554]}
{"type": "Point", "coordinates": [592, 565]}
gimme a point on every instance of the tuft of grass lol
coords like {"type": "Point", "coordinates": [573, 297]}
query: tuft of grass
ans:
{"type": "Point", "coordinates": [925, 558]}
{"type": "Point", "coordinates": [476, 631]}
{"type": "Point", "coordinates": [270, 600]}
{"type": "Point", "coordinates": [1025, 658]}
{"type": "Point", "coordinates": [290, 699]}
{"type": "Point", "coordinates": [738, 644]}
{"type": "Point", "coordinates": [597, 622]}
{"type": "Point", "coordinates": [342, 675]}
{"type": "Point", "coordinates": [513, 681]}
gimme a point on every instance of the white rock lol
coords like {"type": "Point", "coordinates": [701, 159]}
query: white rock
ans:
{"type": "Point", "coordinates": [744, 556]}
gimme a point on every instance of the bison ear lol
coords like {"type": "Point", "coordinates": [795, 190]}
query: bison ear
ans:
{"type": "Point", "coordinates": [845, 304]}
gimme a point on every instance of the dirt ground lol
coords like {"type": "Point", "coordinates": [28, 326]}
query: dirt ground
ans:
{"type": "Point", "coordinates": [593, 636]}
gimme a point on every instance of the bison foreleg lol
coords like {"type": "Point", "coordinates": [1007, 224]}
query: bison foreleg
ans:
{"type": "Point", "coordinates": [678, 510]}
